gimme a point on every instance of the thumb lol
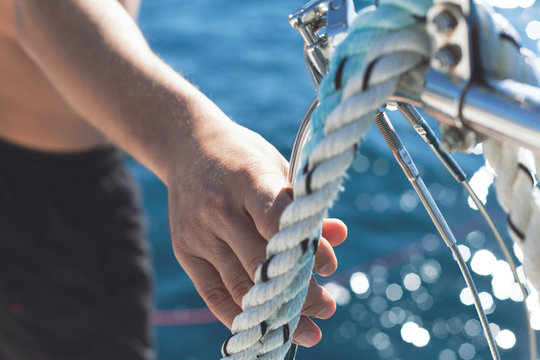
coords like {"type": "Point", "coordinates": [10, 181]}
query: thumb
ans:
{"type": "Point", "coordinates": [265, 201]}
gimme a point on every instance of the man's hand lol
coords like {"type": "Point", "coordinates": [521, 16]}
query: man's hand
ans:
{"type": "Point", "coordinates": [225, 205]}
{"type": "Point", "coordinates": [226, 184]}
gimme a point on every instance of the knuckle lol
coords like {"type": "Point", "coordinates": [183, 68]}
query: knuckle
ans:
{"type": "Point", "coordinates": [215, 209]}
{"type": "Point", "coordinates": [220, 250]}
{"type": "Point", "coordinates": [179, 246]}
{"type": "Point", "coordinates": [310, 308]}
{"type": "Point", "coordinates": [252, 265]}
{"type": "Point", "coordinates": [240, 289]}
{"type": "Point", "coordinates": [214, 297]}
{"type": "Point", "coordinates": [213, 201]}
{"type": "Point", "coordinates": [318, 308]}
{"type": "Point", "coordinates": [248, 175]}
{"type": "Point", "coordinates": [314, 302]}
{"type": "Point", "coordinates": [270, 222]}
{"type": "Point", "coordinates": [282, 164]}
{"type": "Point", "coordinates": [182, 237]}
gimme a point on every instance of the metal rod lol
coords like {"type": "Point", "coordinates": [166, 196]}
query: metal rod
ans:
{"type": "Point", "coordinates": [291, 354]}
{"type": "Point", "coordinates": [315, 77]}
{"type": "Point", "coordinates": [301, 138]}
{"type": "Point", "coordinates": [409, 168]}
{"type": "Point", "coordinates": [507, 110]}
{"type": "Point", "coordinates": [406, 163]}
{"type": "Point", "coordinates": [494, 114]}
{"type": "Point", "coordinates": [422, 128]}
{"type": "Point", "coordinates": [426, 133]}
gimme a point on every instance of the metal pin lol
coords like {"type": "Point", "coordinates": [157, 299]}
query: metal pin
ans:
{"type": "Point", "coordinates": [405, 161]}
{"type": "Point", "coordinates": [409, 168]}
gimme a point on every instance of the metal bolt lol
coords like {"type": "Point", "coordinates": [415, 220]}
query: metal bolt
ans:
{"type": "Point", "coordinates": [446, 58]}
{"type": "Point", "coordinates": [454, 139]}
{"type": "Point", "coordinates": [444, 22]}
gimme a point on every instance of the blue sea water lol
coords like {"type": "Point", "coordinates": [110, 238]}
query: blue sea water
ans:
{"type": "Point", "coordinates": [247, 59]}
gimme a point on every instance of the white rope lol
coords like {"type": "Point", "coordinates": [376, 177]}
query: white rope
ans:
{"type": "Point", "coordinates": [514, 167]}
{"type": "Point", "coordinates": [265, 327]}
{"type": "Point", "coordinates": [383, 44]}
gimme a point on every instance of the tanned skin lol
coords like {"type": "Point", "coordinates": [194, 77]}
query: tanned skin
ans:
{"type": "Point", "coordinates": [77, 74]}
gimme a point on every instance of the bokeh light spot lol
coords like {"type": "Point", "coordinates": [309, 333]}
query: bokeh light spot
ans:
{"type": "Point", "coordinates": [411, 281]}
{"type": "Point", "coordinates": [394, 292]}
{"type": "Point", "coordinates": [339, 293]}
{"type": "Point", "coordinates": [359, 283]}
{"type": "Point", "coordinates": [533, 29]}
{"type": "Point", "coordinates": [464, 251]}
{"type": "Point", "coordinates": [466, 296]}
{"type": "Point", "coordinates": [447, 354]}
{"type": "Point", "coordinates": [506, 339]}
{"type": "Point", "coordinates": [467, 351]}
{"type": "Point", "coordinates": [483, 262]}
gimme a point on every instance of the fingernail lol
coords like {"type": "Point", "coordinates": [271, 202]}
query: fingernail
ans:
{"type": "Point", "coordinates": [326, 312]}
{"type": "Point", "coordinates": [307, 338]}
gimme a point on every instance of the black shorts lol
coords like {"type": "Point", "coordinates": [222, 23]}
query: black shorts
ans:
{"type": "Point", "coordinates": [74, 265]}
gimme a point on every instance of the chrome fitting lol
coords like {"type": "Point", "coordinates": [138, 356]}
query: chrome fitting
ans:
{"type": "Point", "coordinates": [323, 24]}
{"type": "Point", "coordinates": [448, 27]}
{"type": "Point", "coordinates": [451, 62]}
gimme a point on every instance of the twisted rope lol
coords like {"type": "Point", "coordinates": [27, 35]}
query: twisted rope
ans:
{"type": "Point", "coordinates": [383, 44]}
{"type": "Point", "coordinates": [515, 182]}
{"type": "Point", "coordinates": [271, 309]}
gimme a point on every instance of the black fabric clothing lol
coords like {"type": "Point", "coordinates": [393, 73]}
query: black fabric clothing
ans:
{"type": "Point", "coordinates": [74, 265]}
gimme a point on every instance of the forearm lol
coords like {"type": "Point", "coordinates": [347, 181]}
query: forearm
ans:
{"type": "Point", "coordinates": [95, 55]}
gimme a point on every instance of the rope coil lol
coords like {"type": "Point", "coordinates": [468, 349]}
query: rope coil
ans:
{"type": "Point", "coordinates": [383, 44]}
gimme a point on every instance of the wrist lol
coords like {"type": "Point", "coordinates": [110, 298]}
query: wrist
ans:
{"type": "Point", "coordinates": [202, 134]}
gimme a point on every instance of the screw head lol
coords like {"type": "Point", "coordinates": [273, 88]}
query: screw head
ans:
{"type": "Point", "coordinates": [444, 22]}
{"type": "Point", "coordinates": [446, 58]}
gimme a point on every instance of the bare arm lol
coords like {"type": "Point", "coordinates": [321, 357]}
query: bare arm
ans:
{"type": "Point", "coordinates": [97, 58]}
{"type": "Point", "coordinates": [226, 184]}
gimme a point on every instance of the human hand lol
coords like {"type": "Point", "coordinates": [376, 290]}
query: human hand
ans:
{"type": "Point", "coordinates": [225, 205]}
